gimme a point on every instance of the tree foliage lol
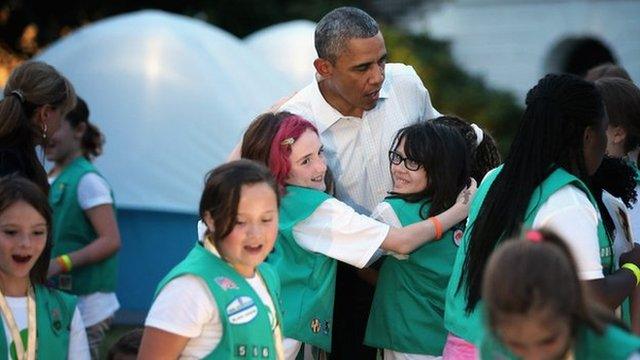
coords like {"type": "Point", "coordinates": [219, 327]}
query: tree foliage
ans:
{"type": "Point", "coordinates": [27, 26]}
{"type": "Point", "coordinates": [452, 90]}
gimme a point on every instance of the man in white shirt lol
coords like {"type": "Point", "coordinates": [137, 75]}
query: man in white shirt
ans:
{"type": "Point", "coordinates": [358, 103]}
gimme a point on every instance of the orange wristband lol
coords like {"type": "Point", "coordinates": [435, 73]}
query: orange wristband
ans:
{"type": "Point", "coordinates": [437, 226]}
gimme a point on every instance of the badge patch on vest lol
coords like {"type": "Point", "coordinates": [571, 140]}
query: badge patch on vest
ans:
{"type": "Point", "coordinates": [225, 283]}
{"type": "Point", "coordinates": [241, 310]}
{"type": "Point", "coordinates": [317, 325]}
{"type": "Point", "coordinates": [457, 237]}
{"type": "Point", "coordinates": [65, 282]}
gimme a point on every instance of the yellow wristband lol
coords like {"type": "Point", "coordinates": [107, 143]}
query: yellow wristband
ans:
{"type": "Point", "coordinates": [65, 260]}
{"type": "Point", "coordinates": [634, 269]}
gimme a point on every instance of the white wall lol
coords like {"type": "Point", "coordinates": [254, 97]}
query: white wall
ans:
{"type": "Point", "coordinates": [508, 42]}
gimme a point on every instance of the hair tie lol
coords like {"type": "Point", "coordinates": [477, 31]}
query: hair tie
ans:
{"type": "Point", "coordinates": [18, 93]}
{"type": "Point", "coordinates": [533, 236]}
{"type": "Point", "coordinates": [288, 141]}
{"type": "Point", "coordinates": [479, 134]}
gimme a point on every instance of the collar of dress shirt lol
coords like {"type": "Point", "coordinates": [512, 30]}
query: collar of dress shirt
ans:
{"type": "Point", "coordinates": [325, 114]}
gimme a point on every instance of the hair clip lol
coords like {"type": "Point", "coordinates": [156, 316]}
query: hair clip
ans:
{"type": "Point", "coordinates": [18, 93]}
{"type": "Point", "coordinates": [533, 236]}
{"type": "Point", "coordinates": [288, 141]}
{"type": "Point", "coordinates": [479, 133]}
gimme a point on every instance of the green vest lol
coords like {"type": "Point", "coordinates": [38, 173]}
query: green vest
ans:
{"type": "Point", "coordinates": [54, 313]}
{"type": "Point", "coordinates": [73, 231]}
{"type": "Point", "coordinates": [246, 322]}
{"type": "Point", "coordinates": [407, 313]}
{"type": "Point", "coordinates": [308, 279]}
{"type": "Point", "coordinates": [614, 344]}
{"type": "Point", "coordinates": [469, 326]}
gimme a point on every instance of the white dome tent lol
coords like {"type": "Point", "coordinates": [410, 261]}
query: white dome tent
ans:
{"type": "Point", "coordinates": [289, 48]}
{"type": "Point", "coordinates": [172, 95]}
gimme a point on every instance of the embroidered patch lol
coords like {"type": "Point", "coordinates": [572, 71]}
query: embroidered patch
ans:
{"type": "Point", "coordinates": [225, 283]}
{"type": "Point", "coordinates": [457, 237]}
{"type": "Point", "coordinates": [65, 282]}
{"type": "Point", "coordinates": [315, 326]}
{"type": "Point", "coordinates": [241, 310]}
{"type": "Point", "coordinates": [325, 327]}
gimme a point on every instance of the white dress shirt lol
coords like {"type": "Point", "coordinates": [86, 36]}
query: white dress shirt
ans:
{"type": "Point", "coordinates": [356, 148]}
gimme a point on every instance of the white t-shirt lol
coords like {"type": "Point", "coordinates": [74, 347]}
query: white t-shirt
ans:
{"type": "Point", "coordinates": [186, 307]}
{"type": "Point", "coordinates": [93, 191]}
{"type": "Point", "coordinates": [78, 344]}
{"type": "Point", "coordinates": [357, 148]}
{"type": "Point", "coordinates": [570, 214]}
{"type": "Point", "coordinates": [623, 236]}
{"type": "Point", "coordinates": [336, 230]}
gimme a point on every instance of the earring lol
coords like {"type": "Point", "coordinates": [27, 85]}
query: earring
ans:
{"type": "Point", "coordinates": [44, 132]}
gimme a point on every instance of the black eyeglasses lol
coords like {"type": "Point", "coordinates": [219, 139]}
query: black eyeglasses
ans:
{"type": "Point", "coordinates": [397, 159]}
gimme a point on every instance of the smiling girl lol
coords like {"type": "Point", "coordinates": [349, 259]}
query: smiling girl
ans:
{"type": "Point", "coordinates": [430, 163]}
{"type": "Point", "coordinates": [85, 230]}
{"type": "Point", "coordinates": [221, 302]}
{"type": "Point", "coordinates": [317, 230]}
{"type": "Point", "coordinates": [37, 322]}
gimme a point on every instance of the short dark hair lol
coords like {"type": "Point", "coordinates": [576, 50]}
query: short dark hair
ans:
{"type": "Point", "coordinates": [14, 188]}
{"type": "Point", "coordinates": [339, 26]}
{"type": "Point", "coordinates": [221, 193]}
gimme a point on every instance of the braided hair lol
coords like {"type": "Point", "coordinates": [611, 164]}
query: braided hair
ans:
{"type": "Point", "coordinates": [559, 110]}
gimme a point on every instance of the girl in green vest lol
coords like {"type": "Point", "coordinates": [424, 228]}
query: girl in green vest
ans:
{"type": "Point", "coordinates": [85, 231]}
{"type": "Point", "coordinates": [37, 321]}
{"type": "Point", "coordinates": [222, 301]}
{"type": "Point", "coordinates": [622, 103]}
{"type": "Point", "coordinates": [316, 230]}
{"type": "Point", "coordinates": [559, 145]}
{"type": "Point", "coordinates": [430, 164]}
{"type": "Point", "coordinates": [529, 316]}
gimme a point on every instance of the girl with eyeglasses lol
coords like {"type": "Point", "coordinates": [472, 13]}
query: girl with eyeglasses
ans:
{"type": "Point", "coordinates": [316, 230]}
{"type": "Point", "coordinates": [430, 163]}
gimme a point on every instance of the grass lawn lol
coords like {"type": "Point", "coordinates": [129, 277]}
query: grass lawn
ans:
{"type": "Point", "coordinates": [113, 335]}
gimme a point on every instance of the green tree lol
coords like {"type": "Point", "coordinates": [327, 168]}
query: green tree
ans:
{"type": "Point", "coordinates": [453, 91]}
